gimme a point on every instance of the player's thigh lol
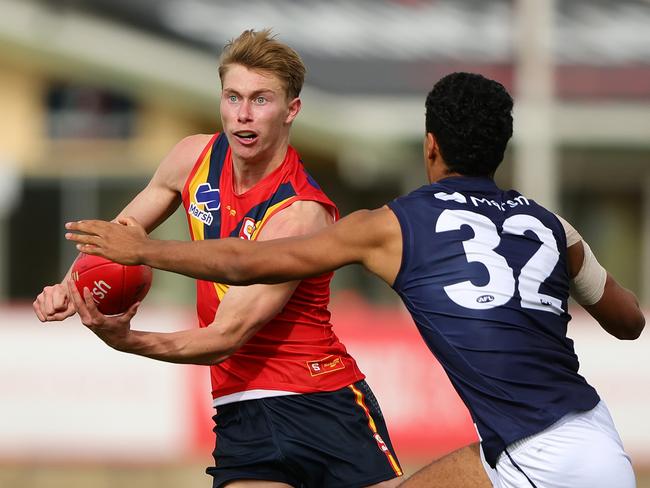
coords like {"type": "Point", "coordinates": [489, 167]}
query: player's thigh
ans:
{"type": "Point", "coordinates": [590, 463]}
{"type": "Point", "coordinates": [583, 450]}
{"type": "Point", "coordinates": [462, 468]}
{"type": "Point", "coordinates": [255, 484]}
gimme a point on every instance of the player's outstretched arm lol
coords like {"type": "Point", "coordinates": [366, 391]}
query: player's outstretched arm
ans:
{"type": "Point", "coordinates": [615, 308]}
{"type": "Point", "coordinates": [368, 237]}
{"type": "Point", "coordinates": [243, 310]}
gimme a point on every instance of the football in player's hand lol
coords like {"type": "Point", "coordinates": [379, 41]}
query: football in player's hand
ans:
{"type": "Point", "coordinates": [114, 287]}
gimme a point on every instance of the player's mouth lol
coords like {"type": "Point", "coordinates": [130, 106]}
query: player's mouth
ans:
{"type": "Point", "coordinates": [245, 137]}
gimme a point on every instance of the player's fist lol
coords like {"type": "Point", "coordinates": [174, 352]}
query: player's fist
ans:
{"type": "Point", "coordinates": [53, 304]}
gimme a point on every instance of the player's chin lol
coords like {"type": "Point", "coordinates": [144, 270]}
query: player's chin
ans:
{"type": "Point", "coordinates": [249, 152]}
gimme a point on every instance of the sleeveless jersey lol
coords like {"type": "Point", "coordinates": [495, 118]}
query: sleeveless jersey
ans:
{"type": "Point", "coordinates": [484, 275]}
{"type": "Point", "coordinates": [297, 351]}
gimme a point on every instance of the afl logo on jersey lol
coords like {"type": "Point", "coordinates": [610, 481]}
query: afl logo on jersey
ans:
{"type": "Point", "coordinates": [485, 299]}
{"type": "Point", "coordinates": [209, 198]}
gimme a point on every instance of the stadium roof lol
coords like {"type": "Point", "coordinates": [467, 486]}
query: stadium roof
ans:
{"type": "Point", "coordinates": [370, 62]}
{"type": "Point", "coordinates": [399, 47]}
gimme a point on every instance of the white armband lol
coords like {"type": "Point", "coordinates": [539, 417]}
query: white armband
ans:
{"type": "Point", "coordinates": [588, 285]}
{"type": "Point", "coordinates": [572, 236]}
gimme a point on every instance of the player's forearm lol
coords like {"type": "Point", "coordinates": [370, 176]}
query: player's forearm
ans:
{"type": "Point", "coordinates": [231, 261]}
{"type": "Point", "coordinates": [199, 346]}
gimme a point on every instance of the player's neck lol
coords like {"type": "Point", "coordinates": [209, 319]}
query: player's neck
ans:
{"type": "Point", "coordinates": [248, 173]}
{"type": "Point", "coordinates": [438, 170]}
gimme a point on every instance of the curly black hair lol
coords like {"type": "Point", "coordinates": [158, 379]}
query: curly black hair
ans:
{"type": "Point", "coordinates": [471, 118]}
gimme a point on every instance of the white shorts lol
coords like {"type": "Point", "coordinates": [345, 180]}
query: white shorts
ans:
{"type": "Point", "coordinates": [581, 450]}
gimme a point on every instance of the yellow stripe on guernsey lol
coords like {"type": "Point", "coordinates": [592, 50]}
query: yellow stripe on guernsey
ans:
{"type": "Point", "coordinates": [269, 212]}
{"type": "Point", "coordinates": [198, 227]}
{"type": "Point", "coordinates": [221, 289]}
{"type": "Point", "coordinates": [371, 423]}
{"type": "Point", "coordinates": [201, 176]}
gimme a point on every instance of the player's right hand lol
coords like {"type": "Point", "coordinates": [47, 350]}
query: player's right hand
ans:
{"type": "Point", "coordinates": [120, 241]}
{"type": "Point", "coordinates": [53, 304]}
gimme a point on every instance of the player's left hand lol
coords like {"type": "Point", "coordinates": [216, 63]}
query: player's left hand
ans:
{"type": "Point", "coordinates": [112, 329]}
{"type": "Point", "coordinates": [121, 242]}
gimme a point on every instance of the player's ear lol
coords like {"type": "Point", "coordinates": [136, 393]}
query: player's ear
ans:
{"type": "Point", "coordinates": [294, 107]}
{"type": "Point", "coordinates": [430, 146]}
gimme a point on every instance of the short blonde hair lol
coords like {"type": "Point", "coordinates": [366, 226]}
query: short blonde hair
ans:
{"type": "Point", "coordinates": [261, 51]}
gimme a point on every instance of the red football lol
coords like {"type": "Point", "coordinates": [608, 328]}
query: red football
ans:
{"type": "Point", "coordinates": [114, 287]}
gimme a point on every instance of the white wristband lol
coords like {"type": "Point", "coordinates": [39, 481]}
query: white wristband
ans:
{"type": "Point", "coordinates": [588, 285]}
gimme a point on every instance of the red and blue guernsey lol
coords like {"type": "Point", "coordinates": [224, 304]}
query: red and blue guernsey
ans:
{"type": "Point", "coordinates": [484, 275]}
{"type": "Point", "coordinates": [297, 351]}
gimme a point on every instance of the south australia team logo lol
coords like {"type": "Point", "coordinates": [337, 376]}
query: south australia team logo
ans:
{"type": "Point", "coordinates": [208, 198]}
{"type": "Point", "coordinates": [247, 229]}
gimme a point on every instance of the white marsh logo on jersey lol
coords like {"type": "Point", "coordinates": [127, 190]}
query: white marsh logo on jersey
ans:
{"type": "Point", "coordinates": [209, 199]}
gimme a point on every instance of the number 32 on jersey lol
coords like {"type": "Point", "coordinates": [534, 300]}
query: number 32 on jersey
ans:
{"type": "Point", "coordinates": [502, 284]}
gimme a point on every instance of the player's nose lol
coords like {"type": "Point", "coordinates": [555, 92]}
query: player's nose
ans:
{"type": "Point", "coordinates": [244, 113]}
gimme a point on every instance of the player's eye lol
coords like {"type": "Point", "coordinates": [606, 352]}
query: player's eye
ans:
{"type": "Point", "coordinates": [232, 98]}
{"type": "Point", "coordinates": [260, 100]}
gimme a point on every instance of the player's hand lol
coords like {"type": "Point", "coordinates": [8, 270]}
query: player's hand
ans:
{"type": "Point", "coordinates": [112, 329]}
{"type": "Point", "coordinates": [120, 242]}
{"type": "Point", "coordinates": [53, 304]}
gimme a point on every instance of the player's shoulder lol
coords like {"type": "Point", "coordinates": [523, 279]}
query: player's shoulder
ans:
{"type": "Point", "coordinates": [307, 211]}
{"type": "Point", "coordinates": [180, 160]}
{"type": "Point", "coordinates": [193, 145]}
{"type": "Point", "coordinates": [305, 208]}
{"type": "Point", "coordinates": [187, 150]}
{"type": "Point", "coordinates": [299, 218]}
{"type": "Point", "coordinates": [426, 196]}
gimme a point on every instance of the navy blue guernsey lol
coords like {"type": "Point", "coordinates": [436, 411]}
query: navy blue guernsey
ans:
{"type": "Point", "coordinates": [484, 275]}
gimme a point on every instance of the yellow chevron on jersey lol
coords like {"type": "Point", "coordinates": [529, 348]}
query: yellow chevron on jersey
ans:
{"type": "Point", "coordinates": [198, 177]}
{"type": "Point", "coordinates": [221, 290]}
{"type": "Point", "coordinates": [197, 225]}
{"type": "Point", "coordinates": [268, 214]}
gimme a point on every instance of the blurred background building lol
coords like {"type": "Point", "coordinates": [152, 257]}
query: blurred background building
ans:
{"type": "Point", "coordinates": [94, 93]}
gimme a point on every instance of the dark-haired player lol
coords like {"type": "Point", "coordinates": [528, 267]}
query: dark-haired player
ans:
{"type": "Point", "coordinates": [486, 275]}
{"type": "Point", "coordinates": [293, 408]}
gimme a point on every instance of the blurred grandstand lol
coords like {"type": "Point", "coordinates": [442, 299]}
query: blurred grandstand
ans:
{"type": "Point", "coordinates": [95, 92]}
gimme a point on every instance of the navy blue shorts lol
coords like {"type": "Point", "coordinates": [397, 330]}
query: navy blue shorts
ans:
{"type": "Point", "coordinates": [332, 439]}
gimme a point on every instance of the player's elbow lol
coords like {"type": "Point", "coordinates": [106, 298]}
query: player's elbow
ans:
{"type": "Point", "coordinates": [225, 345]}
{"type": "Point", "coordinates": [631, 319]}
{"type": "Point", "coordinates": [625, 325]}
{"type": "Point", "coordinates": [631, 327]}
{"type": "Point", "coordinates": [618, 312]}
